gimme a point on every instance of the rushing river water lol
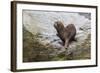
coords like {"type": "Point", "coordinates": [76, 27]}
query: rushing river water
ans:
{"type": "Point", "coordinates": [42, 22]}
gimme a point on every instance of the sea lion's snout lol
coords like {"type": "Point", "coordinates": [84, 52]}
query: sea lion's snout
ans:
{"type": "Point", "coordinates": [55, 24]}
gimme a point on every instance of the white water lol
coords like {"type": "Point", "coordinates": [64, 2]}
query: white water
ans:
{"type": "Point", "coordinates": [43, 22]}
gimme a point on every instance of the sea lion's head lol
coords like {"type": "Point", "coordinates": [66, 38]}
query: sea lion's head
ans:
{"type": "Point", "coordinates": [58, 25]}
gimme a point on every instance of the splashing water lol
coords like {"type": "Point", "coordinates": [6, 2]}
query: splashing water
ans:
{"type": "Point", "coordinates": [43, 22]}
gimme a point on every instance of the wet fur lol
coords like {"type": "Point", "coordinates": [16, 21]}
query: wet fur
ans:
{"type": "Point", "coordinates": [66, 34]}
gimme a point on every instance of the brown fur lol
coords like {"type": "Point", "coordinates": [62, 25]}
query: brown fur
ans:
{"type": "Point", "coordinates": [66, 34]}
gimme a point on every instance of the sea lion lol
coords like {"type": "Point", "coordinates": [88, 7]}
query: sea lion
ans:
{"type": "Point", "coordinates": [66, 34]}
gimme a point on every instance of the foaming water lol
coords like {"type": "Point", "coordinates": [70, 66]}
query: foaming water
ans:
{"type": "Point", "coordinates": [43, 22]}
